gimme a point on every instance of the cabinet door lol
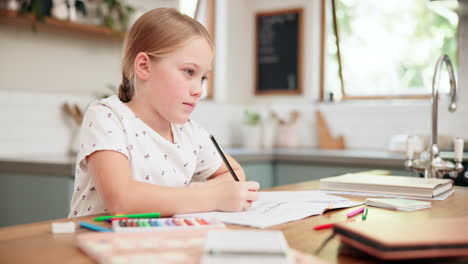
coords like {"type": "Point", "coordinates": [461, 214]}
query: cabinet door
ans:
{"type": "Point", "coordinates": [261, 172]}
{"type": "Point", "coordinates": [28, 198]}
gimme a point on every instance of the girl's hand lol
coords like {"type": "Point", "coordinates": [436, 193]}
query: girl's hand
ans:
{"type": "Point", "coordinates": [234, 196]}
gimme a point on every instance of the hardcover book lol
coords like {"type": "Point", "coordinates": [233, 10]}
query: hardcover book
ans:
{"type": "Point", "coordinates": [422, 238]}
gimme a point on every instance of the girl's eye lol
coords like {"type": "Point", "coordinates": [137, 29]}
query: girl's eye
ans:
{"type": "Point", "coordinates": [190, 72]}
{"type": "Point", "coordinates": [204, 78]}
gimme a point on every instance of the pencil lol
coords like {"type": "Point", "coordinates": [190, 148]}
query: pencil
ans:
{"type": "Point", "coordinates": [364, 215]}
{"type": "Point", "coordinates": [94, 227]}
{"type": "Point", "coordinates": [224, 158]}
{"type": "Point", "coordinates": [329, 225]}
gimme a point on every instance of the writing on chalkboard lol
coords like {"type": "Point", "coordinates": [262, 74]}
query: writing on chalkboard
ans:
{"type": "Point", "coordinates": [278, 52]}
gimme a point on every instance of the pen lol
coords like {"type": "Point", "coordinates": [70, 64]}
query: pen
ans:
{"type": "Point", "coordinates": [147, 215]}
{"type": "Point", "coordinates": [94, 227]}
{"type": "Point", "coordinates": [329, 225]}
{"type": "Point", "coordinates": [364, 215]}
{"type": "Point", "coordinates": [353, 213]}
{"type": "Point", "coordinates": [224, 158]}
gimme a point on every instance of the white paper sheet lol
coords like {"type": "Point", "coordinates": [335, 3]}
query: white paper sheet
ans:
{"type": "Point", "coordinates": [299, 196]}
{"type": "Point", "coordinates": [274, 208]}
{"type": "Point", "coordinates": [231, 246]}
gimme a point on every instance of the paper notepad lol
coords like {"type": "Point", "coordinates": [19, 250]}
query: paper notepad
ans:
{"type": "Point", "coordinates": [274, 208]}
{"type": "Point", "coordinates": [398, 204]}
{"type": "Point", "coordinates": [246, 246]}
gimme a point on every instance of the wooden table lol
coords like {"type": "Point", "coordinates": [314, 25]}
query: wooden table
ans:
{"type": "Point", "coordinates": [34, 243]}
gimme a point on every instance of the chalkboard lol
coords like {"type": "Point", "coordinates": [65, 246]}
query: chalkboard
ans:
{"type": "Point", "coordinates": [278, 52]}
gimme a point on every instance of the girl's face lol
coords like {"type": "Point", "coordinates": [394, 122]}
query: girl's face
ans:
{"type": "Point", "coordinates": [175, 82]}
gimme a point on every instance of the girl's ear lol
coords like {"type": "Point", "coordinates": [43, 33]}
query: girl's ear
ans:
{"type": "Point", "coordinates": [142, 66]}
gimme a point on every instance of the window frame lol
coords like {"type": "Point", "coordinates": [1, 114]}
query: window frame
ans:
{"type": "Point", "coordinates": [346, 97]}
{"type": "Point", "coordinates": [210, 27]}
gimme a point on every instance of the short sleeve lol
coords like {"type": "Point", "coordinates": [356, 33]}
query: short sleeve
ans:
{"type": "Point", "coordinates": [208, 158]}
{"type": "Point", "coordinates": [101, 130]}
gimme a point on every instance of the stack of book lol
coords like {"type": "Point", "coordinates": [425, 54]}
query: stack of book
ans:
{"type": "Point", "coordinates": [388, 185]}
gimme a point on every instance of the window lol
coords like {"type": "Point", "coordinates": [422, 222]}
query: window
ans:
{"type": "Point", "coordinates": [188, 7]}
{"type": "Point", "coordinates": [203, 11]}
{"type": "Point", "coordinates": [388, 48]}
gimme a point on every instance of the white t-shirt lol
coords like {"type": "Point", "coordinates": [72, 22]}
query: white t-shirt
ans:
{"type": "Point", "coordinates": [109, 124]}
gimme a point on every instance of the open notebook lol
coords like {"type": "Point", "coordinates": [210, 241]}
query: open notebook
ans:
{"type": "Point", "coordinates": [274, 208]}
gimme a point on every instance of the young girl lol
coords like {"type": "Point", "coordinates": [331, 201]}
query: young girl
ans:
{"type": "Point", "coordinates": [141, 150]}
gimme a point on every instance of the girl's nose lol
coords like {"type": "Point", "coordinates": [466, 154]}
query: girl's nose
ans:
{"type": "Point", "coordinates": [196, 90]}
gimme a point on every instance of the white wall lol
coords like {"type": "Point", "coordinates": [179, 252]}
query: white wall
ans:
{"type": "Point", "coordinates": [365, 124]}
{"type": "Point", "coordinates": [234, 74]}
{"type": "Point", "coordinates": [38, 72]}
{"type": "Point", "coordinates": [56, 62]}
{"type": "Point", "coordinates": [235, 42]}
{"type": "Point", "coordinates": [33, 123]}
{"type": "Point", "coordinates": [232, 52]}
{"type": "Point", "coordinates": [53, 60]}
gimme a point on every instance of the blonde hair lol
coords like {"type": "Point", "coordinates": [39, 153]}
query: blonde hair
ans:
{"type": "Point", "coordinates": [157, 33]}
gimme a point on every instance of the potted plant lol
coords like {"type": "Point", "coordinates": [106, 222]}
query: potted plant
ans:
{"type": "Point", "coordinates": [287, 133]}
{"type": "Point", "coordinates": [116, 14]}
{"type": "Point", "coordinates": [40, 9]}
{"type": "Point", "coordinates": [251, 130]}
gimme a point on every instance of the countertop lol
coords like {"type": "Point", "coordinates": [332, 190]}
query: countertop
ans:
{"type": "Point", "coordinates": [48, 164]}
{"type": "Point", "coordinates": [63, 165]}
{"type": "Point", "coordinates": [313, 155]}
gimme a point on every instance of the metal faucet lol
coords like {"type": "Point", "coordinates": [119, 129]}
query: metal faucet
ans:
{"type": "Point", "coordinates": [429, 161]}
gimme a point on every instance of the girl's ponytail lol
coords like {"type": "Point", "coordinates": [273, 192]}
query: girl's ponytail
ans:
{"type": "Point", "coordinates": [126, 90]}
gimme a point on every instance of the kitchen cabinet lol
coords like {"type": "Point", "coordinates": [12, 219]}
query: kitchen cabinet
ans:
{"type": "Point", "coordinates": [287, 173]}
{"type": "Point", "coordinates": [270, 174]}
{"type": "Point", "coordinates": [27, 198]}
{"type": "Point", "coordinates": [261, 172]}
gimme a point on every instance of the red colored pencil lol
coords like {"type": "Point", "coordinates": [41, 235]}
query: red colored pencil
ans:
{"type": "Point", "coordinates": [329, 225]}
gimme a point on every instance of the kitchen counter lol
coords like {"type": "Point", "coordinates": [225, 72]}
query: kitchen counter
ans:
{"type": "Point", "coordinates": [328, 157]}
{"type": "Point", "coordinates": [312, 155]}
{"type": "Point", "coordinates": [63, 165]}
{"type": "Point", "coordinates": [53, 165]}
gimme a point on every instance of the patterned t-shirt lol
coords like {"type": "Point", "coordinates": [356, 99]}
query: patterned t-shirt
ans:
{"type": "Point", "coordinates": [109, 124]}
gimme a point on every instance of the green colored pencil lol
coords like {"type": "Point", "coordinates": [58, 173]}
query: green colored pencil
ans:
{"type": "Point", "coordinates": [147, 215]}
{"type": "Point", "coordinates": [364, 215]}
